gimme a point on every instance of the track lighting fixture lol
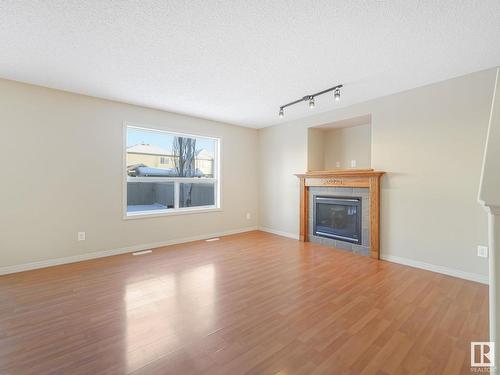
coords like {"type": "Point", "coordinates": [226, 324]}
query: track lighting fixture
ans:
{"type": "Point", "coordinates": [310, 99]}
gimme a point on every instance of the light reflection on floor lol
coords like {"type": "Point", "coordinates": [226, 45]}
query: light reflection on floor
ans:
{"type": "Point", "coordinates": [155, 309]}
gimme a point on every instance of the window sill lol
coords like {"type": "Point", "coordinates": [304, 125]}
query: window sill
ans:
{"type": "Point", "coordinates": [169, 212]}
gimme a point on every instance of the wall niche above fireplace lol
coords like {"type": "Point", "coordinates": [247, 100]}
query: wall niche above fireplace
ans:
{"type": "Point", "coordinates": [340, 208]}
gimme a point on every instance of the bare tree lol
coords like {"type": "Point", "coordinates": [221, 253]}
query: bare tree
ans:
{"type": "Point", "coordinates": [184, 150]}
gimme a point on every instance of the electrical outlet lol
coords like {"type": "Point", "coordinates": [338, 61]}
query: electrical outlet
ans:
{"type": "Point", "coordinates": [337, 164]}
{"type": "Point", "coordinates": [482, 251]}
{"type": "Point", "coordinates": [353, 163]}
{"type": "Point", "coordinates": [81, 236]}
{"type": "Point", "coordinates": [249, 215]}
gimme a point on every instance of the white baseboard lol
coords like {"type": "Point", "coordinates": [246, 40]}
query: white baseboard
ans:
{"type": "Point", "coordinates": [107, 253]}
{"type": "Point", "coordinates": [439, 269]}
{"type": "Point", "coordinates": [280, 233]}
{"type": "Point", "coordinates": [407, 262]}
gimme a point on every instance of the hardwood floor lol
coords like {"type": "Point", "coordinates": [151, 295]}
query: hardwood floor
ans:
{"type": "Point", "coordinates": [250, 303]}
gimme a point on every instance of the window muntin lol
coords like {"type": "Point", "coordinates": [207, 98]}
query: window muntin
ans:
{"type": "Point", "coordinates": [168, 172]}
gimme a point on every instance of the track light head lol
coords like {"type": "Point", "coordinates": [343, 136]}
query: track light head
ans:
{"type": "Point", "coordinates": [336, 94]}
{"type": "Point", "coordinates": [281, 113]}
{"type": "Point", "coordinates": [311, 102]}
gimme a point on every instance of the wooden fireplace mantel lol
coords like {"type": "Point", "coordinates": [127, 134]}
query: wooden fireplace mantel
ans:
{"type": "Point", "coordinates": [359, 178]}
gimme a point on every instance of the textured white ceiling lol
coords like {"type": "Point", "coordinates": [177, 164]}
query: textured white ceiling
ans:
{"type": "Point", "coordinates": [238, 61]}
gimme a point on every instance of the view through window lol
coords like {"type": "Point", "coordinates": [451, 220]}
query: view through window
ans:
{"type": "Point", "coordinates": [169, 172]}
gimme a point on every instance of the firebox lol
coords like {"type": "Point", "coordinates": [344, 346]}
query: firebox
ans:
{"type": "Point", "coordinates": [338, 218]}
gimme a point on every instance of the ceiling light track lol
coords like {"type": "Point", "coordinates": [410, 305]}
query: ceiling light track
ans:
{"type": "Point", "coordinates": [310, 98]}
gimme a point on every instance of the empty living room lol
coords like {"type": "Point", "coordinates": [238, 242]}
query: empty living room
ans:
{"type": "Point", "coordinates": [249, 187]}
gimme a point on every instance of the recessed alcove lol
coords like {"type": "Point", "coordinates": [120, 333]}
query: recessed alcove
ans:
{"type": "Point", "coordinates": [339, 159]}
{"type": "Point", "coordinates": [340, 145]}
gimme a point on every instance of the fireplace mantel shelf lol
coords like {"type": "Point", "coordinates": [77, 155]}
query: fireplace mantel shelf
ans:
{"type": "Point", "coordinates": [341, 173]}
{"type": "Point", "coordinates": [358, 178]}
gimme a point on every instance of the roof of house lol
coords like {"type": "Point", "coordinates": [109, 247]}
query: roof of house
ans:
{"type": "Point", "coordinates": [147, 149]}
{"type": "Point", "coordinates": [204, 154]}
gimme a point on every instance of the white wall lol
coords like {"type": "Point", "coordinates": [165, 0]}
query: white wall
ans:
{"type": "Point", "coordinates": [61, 172]}
{"type": "Point", "coordinates": [490, 178]}
{"type": "Point", "coordinates": [346, 144]}
{"type": "Point", "coordinates": [489, 197]}
{"type": "Point", "coordinates": [430, 142]}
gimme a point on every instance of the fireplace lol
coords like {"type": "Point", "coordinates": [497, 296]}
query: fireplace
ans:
{"type": "Point", "coordinates": [355, 230]}
{"type": "Point", "coordinates": [338, 218]}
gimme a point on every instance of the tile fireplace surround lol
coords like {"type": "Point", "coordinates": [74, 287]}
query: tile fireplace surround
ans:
{"type": "Point", "coordinates": [330, 191]}
{"type": "Point", "coordinates": [363, 183]}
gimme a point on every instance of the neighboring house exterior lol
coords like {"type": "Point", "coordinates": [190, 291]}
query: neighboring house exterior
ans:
{"type": "Point", "coordinates": [157, 157]}
{"type": "Point", "coordinates": [205, 162]}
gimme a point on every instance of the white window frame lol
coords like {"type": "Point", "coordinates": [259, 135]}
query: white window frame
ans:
{"type": "Point", "coordinates": [176, 180]}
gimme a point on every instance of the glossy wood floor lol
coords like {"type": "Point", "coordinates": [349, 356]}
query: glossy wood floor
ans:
{"type": "Point", "coordinates": [251, 303]}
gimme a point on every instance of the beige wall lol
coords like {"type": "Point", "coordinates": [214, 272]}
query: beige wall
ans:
{"type": "Point", "coordinates": [315, 149]}
{"type": "Point", "coordinates": [282, 152]}
{"type": "Point", "coordinates": [430, 141]}
{"type": "Point", "coordinates": [346, 144]}
{"type": "Point", "coordinates": [45, 199]}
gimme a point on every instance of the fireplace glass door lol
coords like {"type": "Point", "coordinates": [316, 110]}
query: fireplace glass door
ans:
{"type": "Point", "coordinates": [338, 218]}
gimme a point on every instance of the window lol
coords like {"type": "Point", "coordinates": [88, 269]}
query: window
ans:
{"type": "Point", "coordinates": [168, 172]}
